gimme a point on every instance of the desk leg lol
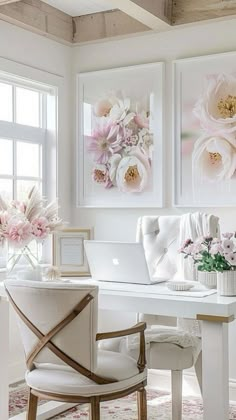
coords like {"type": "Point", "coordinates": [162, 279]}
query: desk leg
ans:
{"type": "Point", "coordinates": [215, 369]}
{"type": "Point", "coordinates": [4, 352]}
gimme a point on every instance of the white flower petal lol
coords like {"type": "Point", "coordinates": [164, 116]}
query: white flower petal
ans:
{"type": "Point", "coordinates": [204, 164]}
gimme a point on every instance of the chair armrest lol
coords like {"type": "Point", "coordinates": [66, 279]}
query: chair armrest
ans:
{"type": "Point", "coordinates": [141, 326]}
{"type": "Point", "coordinates": [138, 328]}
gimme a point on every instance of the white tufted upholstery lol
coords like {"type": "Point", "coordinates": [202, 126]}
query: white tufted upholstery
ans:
{"type": "Point", "coordinates": [160, 238]}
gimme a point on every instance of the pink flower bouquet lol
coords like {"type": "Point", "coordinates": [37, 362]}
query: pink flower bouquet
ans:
{"type": "Point", "coordinates": [21, 222]}
{"type": "Point", "coordinates": [120, 145]}
{"type": "Point", "coordinates": [212, 254]}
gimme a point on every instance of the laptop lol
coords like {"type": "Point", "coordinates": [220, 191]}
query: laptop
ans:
{"type": "Point", "coordinates": [122, 262]}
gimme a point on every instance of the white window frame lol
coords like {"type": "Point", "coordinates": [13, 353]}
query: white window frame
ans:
{"type": "Point", "coordinates": [31, 77]}
{"type": "Point", "coordinates": [19, 132]}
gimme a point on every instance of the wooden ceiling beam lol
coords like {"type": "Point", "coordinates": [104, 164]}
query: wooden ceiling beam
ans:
{"type": "Point", "coordinates": [105, 25]}
{"type": "Point", "coordinates": [7, 1]}
{"type": "Point", "coordinates": [155, 14]}
{"type": "Point", "coordinates": [133, 16]}
{"type": "Point", "coordinates": [39, 17]}
{"type": "Point", "coordinates": [189, 11]}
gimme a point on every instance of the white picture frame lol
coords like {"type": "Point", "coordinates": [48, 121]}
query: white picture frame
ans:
{"type": "Point", "coordinates": [68, 251]}
{"type": "Point", "coordinates": [142, 84]}
{"type": "Point", "coordinates": [193, 184]}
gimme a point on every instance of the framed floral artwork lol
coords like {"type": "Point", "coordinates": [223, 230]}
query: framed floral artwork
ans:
{"type": "Point", "coordinates": [205, 131]}
{"type": "Point", "coordinates": [120, 130]}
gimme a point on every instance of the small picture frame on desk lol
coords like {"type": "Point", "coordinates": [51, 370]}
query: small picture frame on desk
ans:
{"type": "Point", "coordinates": [68, 251]}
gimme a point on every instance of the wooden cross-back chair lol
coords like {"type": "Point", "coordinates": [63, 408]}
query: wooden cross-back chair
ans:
{"type": "Point", "coordinates": [58, 325]}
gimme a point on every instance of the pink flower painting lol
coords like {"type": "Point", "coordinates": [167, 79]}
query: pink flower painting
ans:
{"type": "Point", "coordinates": [120, 146]}
{"type": "Point", "coordinates": [205, 127]}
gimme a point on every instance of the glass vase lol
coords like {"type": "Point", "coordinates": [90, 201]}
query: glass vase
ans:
{"type": "Point", "coordinates": [24, 259]}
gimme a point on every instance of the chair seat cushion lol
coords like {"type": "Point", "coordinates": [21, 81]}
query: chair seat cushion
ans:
{"type": "Point", "coordinates": [163, 355]}
{"type": "Point", "coordinates": [171, 357]}
{"type": "Point", "coordinates": [64, 380]}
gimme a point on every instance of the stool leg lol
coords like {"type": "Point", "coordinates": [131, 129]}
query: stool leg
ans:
{"type": "Point", "coordinates": [142, 404]}
{"type": "Point", "coordinates": [176, 387]}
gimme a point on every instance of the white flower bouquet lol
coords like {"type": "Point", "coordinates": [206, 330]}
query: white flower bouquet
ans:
{"type": "Point", "coordinates": [21, 222]}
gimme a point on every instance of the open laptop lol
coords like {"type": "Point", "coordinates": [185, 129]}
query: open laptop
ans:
{"type": "Point", "coordinates": [122, 262]}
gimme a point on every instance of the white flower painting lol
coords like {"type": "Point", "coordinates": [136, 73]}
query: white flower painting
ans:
{"type": "Point", "coordinates": [120, 137]}
{"type": "Point", "coordinates": [205, 145]}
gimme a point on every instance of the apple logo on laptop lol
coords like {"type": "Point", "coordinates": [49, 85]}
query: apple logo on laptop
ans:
{"type": "Point", "coordinates": [115, 261]}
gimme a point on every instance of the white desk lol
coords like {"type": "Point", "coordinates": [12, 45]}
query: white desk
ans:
{"type": "Point", "coordinates": [214, 311]}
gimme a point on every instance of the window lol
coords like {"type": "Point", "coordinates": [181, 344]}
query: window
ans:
{"type": "Point", "coordinates": [23, 136]}
{"type": "Point", "coordinates": [27, 137]}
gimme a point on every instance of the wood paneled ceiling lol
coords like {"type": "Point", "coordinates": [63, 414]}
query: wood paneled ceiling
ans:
{"type": "Point", "coordinates": [76, 21]}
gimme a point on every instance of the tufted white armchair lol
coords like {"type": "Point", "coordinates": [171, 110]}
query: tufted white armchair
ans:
{"type": "Point", "coordinates": [58, 325]}
{"type": "Point", "coordinates": [161, 237]}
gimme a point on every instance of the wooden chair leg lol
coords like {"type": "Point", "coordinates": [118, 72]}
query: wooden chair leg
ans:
{"type": "Point", "coordinates": [95, 408]}
{"type": "Point", "coordinates": [32, 406]}
{"type": "Point", "coordinates": [198, 370]}
{"type": "Point", "coordinates": [176, 387]}
{"type": "Point", "coordinates": [142, 404]}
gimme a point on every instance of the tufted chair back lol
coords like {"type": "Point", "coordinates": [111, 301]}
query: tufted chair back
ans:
{"type": "Point", "coordinates": [45, 306]}
{"type": "Point", "coordinates": [160, 238]}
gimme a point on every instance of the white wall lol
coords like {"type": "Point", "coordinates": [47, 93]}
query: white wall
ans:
{"type": "Point", "coordinates": [204, 39]}
{"type": "Point", "coordinates": [40, 53]}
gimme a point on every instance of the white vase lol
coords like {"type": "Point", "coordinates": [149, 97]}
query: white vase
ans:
{"type": "Point", "coordinates": [226, 283]}
{"type": "Point", "coordinates": [207, 278]}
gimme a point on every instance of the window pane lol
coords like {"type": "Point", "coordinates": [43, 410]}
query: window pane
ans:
{"type": "Point", "coordinates": [5, 102]}
{"type": "Point", "coordinates": [6, 157]}
{"type": "Point", "coordinates": [6, 189]}
{"type": "Point", "coordinates": [27, 107]}
{"type": "Point", "coordinates": [23, 188]}
{"type": "Point", "coordinates": [27, 158]}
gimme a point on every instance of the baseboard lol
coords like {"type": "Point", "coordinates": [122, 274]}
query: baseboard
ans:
{"type": "Point", "coordinates": [16, 372]}
{"type": "Point", "coordinates": [161, 380]}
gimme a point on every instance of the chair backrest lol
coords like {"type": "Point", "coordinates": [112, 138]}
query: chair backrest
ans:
{"type": "Point", "coordinates": [162, 237]}
{"type": "Point", "coordinates": [64, 315]}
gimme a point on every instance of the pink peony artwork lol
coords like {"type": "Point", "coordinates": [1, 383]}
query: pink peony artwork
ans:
{"type": "Point", "coordinates": [120, 146]}
{"type": "Point", "coordinates": [205, 131]}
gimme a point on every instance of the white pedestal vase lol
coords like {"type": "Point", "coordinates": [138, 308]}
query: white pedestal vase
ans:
{"type": "Point", "coordinates": [226, 283]}
{"type": "Point", "coordinates": [208, 279]}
